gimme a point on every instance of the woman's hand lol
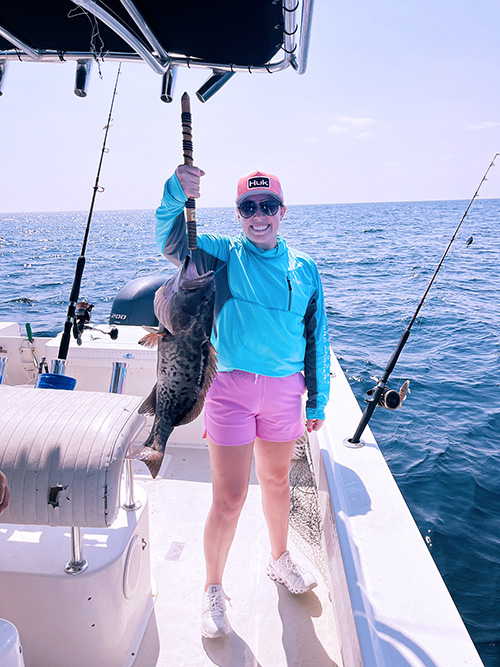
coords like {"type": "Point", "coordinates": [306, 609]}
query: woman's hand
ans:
{"type": "Point", "coordinates": [189, 178]}
{"type": "Point", "coordinates": [314, 424]}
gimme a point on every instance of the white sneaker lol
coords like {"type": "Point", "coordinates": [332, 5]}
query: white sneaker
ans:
{"type": "Point", "coordinates": [214, 621]}
{"type": "Point", "coordinates": [288, 573]}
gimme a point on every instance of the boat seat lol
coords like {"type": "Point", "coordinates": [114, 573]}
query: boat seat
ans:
{"type": "Point", "coordinates": [63, 452]}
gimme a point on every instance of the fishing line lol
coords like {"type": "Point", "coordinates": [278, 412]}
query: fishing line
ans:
{"type": "Point", "coordinates": [425, 338]}
{"type": "Point", "coordinates": [462, 254]}
{"type": "Point", "coordinates": [380, 395]}
{"type": "Point", "coordinates": [431, 345]}
{"type": "Point", "coordinates": [80, 264]}
{"type": "Point", "coordinates": [94, 36]}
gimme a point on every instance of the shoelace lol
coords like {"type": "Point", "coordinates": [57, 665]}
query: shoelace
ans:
{"type": "Point", "coordinates": [216, 602]}
{"type": "Point", "coordinates": [289, 563]}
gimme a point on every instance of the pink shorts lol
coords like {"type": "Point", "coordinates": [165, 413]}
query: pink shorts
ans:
{"type": "Point", "coordinates": [241, 406]}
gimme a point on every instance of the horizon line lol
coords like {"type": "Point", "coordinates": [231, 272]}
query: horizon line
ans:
{"type": "Point", "coordinates": [363, 203]}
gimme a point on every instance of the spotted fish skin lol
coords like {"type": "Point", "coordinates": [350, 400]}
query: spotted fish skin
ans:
{"type": "Point", "coordinates": [186, 362]}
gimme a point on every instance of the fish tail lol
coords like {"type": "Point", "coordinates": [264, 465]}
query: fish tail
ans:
{"type": "Point", "coordinates": [151, 457]}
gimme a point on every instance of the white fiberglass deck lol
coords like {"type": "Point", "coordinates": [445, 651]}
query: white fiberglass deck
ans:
{"type": "Point", "coordinates": [392, 607]}
{"type": "Point", "coordinates": [271, 627]}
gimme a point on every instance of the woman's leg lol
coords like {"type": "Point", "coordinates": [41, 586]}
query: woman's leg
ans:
{"type": "Point", "coordinates": [230, 477]}
{"type": "Point", "coordinates": [272, 464]}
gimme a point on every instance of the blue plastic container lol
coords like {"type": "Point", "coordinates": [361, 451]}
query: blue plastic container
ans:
{"type": "Point", "coordinates": [54, 381]}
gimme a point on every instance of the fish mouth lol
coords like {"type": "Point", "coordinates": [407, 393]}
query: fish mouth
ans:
{"type": "Point", "coordinates": [189, 278]}
{"type": "Point", "coordinates": [177, 302]}
{"type": "Point", "coordinates": [191, 284]}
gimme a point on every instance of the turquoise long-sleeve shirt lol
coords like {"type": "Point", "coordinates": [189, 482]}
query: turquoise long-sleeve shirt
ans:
{"type": "Point", "coordinates": [269, 308]}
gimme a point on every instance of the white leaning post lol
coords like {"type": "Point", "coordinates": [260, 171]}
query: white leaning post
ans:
{"type": "Point", "coordinates": [116, 387]}
{"type": "Point", "coordinates": [64, 459]}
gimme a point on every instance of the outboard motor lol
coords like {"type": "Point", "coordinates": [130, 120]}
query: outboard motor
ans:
{"type": "Point", "coordinates": [133, 305]}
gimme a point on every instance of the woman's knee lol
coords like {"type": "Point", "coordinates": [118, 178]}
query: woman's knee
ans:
{"type": "Point", "coordinates": [229, 504]}
{"type": "Point", "coordinates": [273, 482]}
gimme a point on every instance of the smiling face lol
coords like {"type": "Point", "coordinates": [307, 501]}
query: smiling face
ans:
{"type": "Point", "coordinates": [260, 229]}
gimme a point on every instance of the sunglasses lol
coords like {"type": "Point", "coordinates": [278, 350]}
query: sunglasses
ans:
{"type": "Point", "coordinates": [248, 208]}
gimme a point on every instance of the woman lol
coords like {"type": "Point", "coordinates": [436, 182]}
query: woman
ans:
{"type": "Point", "coordinates": [271, 337]}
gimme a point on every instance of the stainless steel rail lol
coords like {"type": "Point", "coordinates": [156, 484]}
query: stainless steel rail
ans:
{"type": "Point", "coordinates": [33, 54]}
{"type": "Point", "coordinates": [146, 30]}
{"type": "Point", "coordinates": [305, 34]}
{"type": "Point", "coordinates": [122, 32]}
{"type": "Point", "coordinates": [46, 56]}
{"type": "Point", "coordinates": [77, 564]}
{"type": "Point", "coordinates": [116, 387]}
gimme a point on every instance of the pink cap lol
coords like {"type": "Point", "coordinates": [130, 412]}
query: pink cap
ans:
{"type": "Point", "coordinates": [259, 183]}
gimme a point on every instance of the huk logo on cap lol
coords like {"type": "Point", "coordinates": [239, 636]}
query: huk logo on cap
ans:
{"type": "Point", "coordinates": [261, 182]}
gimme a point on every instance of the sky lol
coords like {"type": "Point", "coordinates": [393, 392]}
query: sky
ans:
{"type": "Point", "coordinates": [400, 102]}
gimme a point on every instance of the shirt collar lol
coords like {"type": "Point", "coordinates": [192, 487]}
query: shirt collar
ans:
{"type": "Point", "coordinates": [277, 251]}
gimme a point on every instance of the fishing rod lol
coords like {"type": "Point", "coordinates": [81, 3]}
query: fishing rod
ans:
{"type": "Point", "coordinates": [380, 394]}
{"type": "Point", "coordinates": [187, 152]}
{"type": "Point", "coordinates": [74, 316]}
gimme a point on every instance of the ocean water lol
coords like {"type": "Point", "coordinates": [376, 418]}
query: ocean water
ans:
{"type": "Point", "coordinates": [376, 261]}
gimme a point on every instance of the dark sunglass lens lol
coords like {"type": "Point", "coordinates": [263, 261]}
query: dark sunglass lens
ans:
{"type": "Point", "coordinates": [269, 206]}
{"type": "Point", "coordinates": [248, 208]}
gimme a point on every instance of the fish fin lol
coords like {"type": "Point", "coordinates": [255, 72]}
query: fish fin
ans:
{"type": "Point", "coordinates": [148, 406]}
{"type": "Point", "coordinates": [200, 401]}
{"type": "Point", "coordinates": [163, 297]}
{"type": "Point", "coordinates": [405, 389]}
{"type": "Point", "coordinates": [149, 329]}
{"type": "Point", "coordinates": [186, 279]}
{"type": "Point", "coordinates": [150, 339]}
{"type": "Point", "coordinates": [151, 457]}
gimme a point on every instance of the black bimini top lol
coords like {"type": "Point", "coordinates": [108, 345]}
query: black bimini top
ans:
{"type": "Point", "coordinates": [223, 35]}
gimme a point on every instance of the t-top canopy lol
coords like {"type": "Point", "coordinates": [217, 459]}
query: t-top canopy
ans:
{"type": "Point", "coordinates": [223, 35]}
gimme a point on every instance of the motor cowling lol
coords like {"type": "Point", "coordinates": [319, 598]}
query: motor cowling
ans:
{"type": "Point", "coordinates": [133, 304]}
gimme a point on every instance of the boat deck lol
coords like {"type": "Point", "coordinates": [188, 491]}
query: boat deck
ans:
{"type": "Point", "coordinates": [271, 627]}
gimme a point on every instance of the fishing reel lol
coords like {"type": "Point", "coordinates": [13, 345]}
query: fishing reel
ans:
{"type": "Point", "coordinates": [390, 398]}
{"type": "Point", "coordinates": [82, 318]}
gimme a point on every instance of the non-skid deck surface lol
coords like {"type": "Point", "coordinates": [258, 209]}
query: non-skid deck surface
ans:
{"type": "Point", "coordinates": [271, 627]}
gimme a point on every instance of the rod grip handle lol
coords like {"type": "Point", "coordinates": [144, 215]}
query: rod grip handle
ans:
{"type": "Point", "coordinates": [187, 152]}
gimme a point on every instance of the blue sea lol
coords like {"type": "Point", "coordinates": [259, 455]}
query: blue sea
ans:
{"type": "Point", "coordinates": [376, 261]}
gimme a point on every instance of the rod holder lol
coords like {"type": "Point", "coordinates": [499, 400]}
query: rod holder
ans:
{"type": "Point", "coordinates": [3, 364]}
{"type": "Point", "coordinates": [58, 366]}
{"type": "Point", "coordinates": [118, 377]}
{"type": "Point", "coordinates": [82, 76]}
{"type": "Point", "coordinates": [213, 84]}
{"type": "Point", "coordinates": [3, 72]}
{"type": "Point", "coordinates": [168, 84]}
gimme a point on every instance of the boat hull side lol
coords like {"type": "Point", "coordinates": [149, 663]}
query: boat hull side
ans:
{"type": "Point", "coordinates": [392, 605]}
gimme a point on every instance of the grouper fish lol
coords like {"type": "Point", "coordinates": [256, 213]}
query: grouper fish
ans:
{"type": "Point", "coordinates": [186, 362]}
